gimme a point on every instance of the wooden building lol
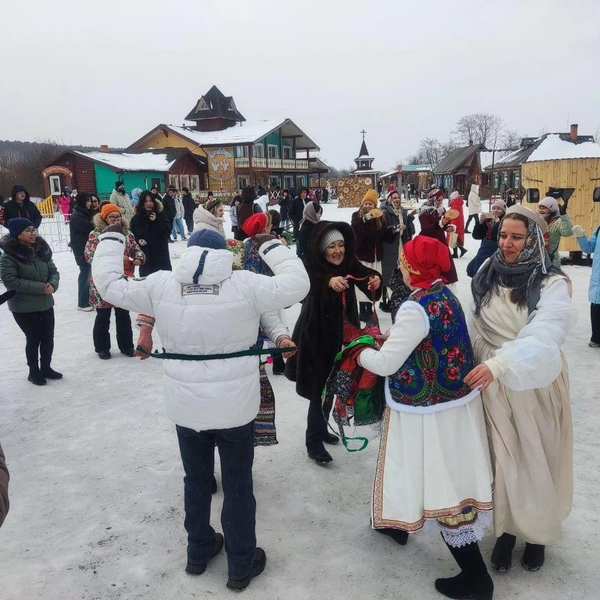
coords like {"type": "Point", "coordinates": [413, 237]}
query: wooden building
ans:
{"type": "Point", "coordinates": [567, 167]}
{"type": "Point", "coordinates": [459, 169]}
{"type": "Point", "coordinates": [413, 177]}
{"type": "Point", "coordinates": [98, 171]}
{"type": "Point", "coordinates": [238, 152]}
{"type": "Point", "coordinates": [351, 189]}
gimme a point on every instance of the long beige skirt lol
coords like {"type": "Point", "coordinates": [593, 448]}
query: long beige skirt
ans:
{"type": "Point", "coordinates": [531, 442]}
{"type": "Point", "coordinates": [430, 466]}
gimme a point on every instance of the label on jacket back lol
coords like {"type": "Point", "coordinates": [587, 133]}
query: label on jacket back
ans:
{"type": "Point", "coordinates": [194, 289]}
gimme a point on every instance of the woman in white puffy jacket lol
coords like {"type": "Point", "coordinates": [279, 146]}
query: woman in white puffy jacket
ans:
{"type": "Point", "coordinates": [203, 307]}
{"type": "Point", "coordinates": [523, 312]}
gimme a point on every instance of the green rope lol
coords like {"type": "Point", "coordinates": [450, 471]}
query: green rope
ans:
{"type": "Point", "coordinates": [249, 352]}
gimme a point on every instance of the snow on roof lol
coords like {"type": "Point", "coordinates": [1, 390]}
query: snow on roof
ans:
{"type": "Point", "coordinates": [149, 161]}
{"type": "Point", "coordinates": [366, 157]}
{"type": "Point", "coordinates": [554, 148]}
{"type": "Point", "coordinates": [249, 132]}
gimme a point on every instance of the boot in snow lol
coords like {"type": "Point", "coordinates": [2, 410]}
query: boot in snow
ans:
{"type": "Point", "coordinates": [533, 557]}
{"type": "Point", "coordinates": [36, 377]}
{"type": "Point", "coordinates": [502, 553]}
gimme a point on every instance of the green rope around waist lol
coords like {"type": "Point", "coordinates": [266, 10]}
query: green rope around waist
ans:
{"type": "Point", "coordinates": [249, 352]}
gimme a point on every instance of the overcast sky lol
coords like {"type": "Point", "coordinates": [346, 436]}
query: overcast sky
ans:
{"type": "Point", "coordinates": [108, 71]}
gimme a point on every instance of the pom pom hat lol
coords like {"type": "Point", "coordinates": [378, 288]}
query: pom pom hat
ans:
{"type": "Point", "coordinates": [425, 259]}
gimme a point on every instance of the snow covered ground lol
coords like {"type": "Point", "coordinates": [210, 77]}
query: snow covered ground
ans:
{"type": "Point", "coordinates": [97, 492]}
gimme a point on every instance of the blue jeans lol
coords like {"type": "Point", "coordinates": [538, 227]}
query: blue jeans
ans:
{"type": "Point", "coordinates": [238, 517]}
{"type": "Point", "coordinates": [178, 225]}
{"type": "Point", "coordinates": [83, 283]}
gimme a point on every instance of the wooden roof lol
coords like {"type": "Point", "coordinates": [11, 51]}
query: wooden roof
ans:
{"type": "Point", "coordinates": [215, 105]}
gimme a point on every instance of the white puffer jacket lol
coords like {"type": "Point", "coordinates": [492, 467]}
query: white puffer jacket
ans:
{"type": "Point", "coordinates": [217, 313]}
{"type": "Point", "coordinates": [204, 219]}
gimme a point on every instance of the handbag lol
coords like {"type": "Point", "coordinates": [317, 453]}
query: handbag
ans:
{"type": "Point", "coordinates": [352, 332]}
{"type": "Point", "coordinates": [453, 239]}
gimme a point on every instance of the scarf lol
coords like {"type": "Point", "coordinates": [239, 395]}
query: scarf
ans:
{"type": "Point", "coordinates": [523, 277]}
{"type": "Point", "coordinates": [309, 214]}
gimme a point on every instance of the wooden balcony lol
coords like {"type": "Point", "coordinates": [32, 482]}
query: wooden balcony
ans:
{"type": "Point", "coordinates": [274, 163]}
{"type": "Point", "coordinates": [242, 162]}
{"type": "Point", "coordinates": [259, 163]}
{"type": "Point", "coordinates": [301, 164]}
{"type": "Point", "coordinates": [289, 164]}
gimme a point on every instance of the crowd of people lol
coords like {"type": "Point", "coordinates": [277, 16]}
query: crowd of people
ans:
{"type": "Point", "coordinates": [470, 423]}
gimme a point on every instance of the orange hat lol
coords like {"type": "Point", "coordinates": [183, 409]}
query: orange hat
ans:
{"type": "Point", "coordinates": [371, 196]}
{"type": "Point", "coordinates": [425, 259]}
{"type": "Point", "coordinates": [255, 224]}
{"type": "Point", "coordinates": [107, 209]}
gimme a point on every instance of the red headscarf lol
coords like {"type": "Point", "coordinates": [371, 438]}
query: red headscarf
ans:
{"type": "Point", "coordinates": [425, 259]}
{"type": "Point", "coordinates": [255, 224]}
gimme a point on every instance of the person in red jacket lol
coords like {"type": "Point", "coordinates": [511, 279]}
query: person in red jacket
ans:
{"type": "Point", "coordinates": [456, 202]}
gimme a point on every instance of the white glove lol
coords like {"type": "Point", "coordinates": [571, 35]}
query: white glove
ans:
{"type": "Point", "coordinates": [367, 217]}
{"type": "Point", "coordinates": [579, 231]}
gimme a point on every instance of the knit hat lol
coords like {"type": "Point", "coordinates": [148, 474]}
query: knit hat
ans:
{"type": "Point", "coordinates": [206, 238]}
{"type": "Point", "coordinates": [370, 196]}
{"type": "Point", "coordinates": [499, 204]}
{"type": "Point", "coordinates": [332, 235]}
{"type": "Point", "coordinates": [255, 224]}
{"type": "Point", "coordinates": [17, 225]}
{"type": "Point", "coordinates": [425, 259]}
{"type": "Point", "coordinates": [107, 209]}
{"type": "Point", "coordinates": [550, 203]}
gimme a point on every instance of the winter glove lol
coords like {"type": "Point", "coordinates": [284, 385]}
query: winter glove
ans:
{"type": "Point", "coordinates": [367, 217]}
{"type": "Point", "coordinates": [261, 238]}
{"type": "Point", "coordinates": [579, 231]}
{"type": "Point", "coordinates": [115, 228]}
{"type": "Point", "coordinates": [562, 208]}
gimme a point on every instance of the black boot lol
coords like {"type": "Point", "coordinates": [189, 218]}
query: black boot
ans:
{"type": "Point", "coordinates": [319, 454]}
{"type": "Point", "coordinates": [533, 557]}
{"type": "Point", "coordinates": [398, 535]}
{"type": "Point", "coordinates": [502, 553]}
{"type": "Point", "coordinates": [36, 377]}
{"type": "Point", "coordinates": [473, 582]}
{"type": "Point", "coordinates": [50, 373]}
{"type": "Point", "coordinates": [454, 253]}
{"type": "Point", "coordinates": [463, 251]}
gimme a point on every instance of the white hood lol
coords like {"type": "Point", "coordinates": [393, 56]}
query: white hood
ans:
{"type": "Point", "coordinates": [217, 265]}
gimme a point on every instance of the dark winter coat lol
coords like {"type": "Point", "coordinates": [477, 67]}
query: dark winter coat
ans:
{"type": "Point", "coordinates": [169, 208]}
{"type": "Point", "coordinates": [189, 206]}
{"type": "Point", "coordinates": [80, 227]}
{"type": "Point", "coordinates": [156, 235]}
{"type": "Point", "coordinates": [430, 227]}
{"type": "Point", "coordinates": [296, 209]}
{"type": "Point", "coordinates": [390, 249]}
{"type": "Point", "coordinates": [284, 207]}
{"type": "Point", "coordinates": [304, 237]}
{"type": "Point", "coordinates": [27, 271]}
{"type": "Point", "coordinates": [26, 210]}
{"type": "Point", "coordinates": [370, 238]}
{"type": "Point", "coordinates": [487, 232]}
{"type": "Point", "coordinates": [245, 209]}
{"type": "Point", "coordinates": [4, 477]}
{"type": "Point", "coordinates": [319, 329]}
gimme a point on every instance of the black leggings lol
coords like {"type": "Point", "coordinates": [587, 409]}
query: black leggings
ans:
{"type": "Point", "coordinates": [474, 218]}
{"type": "Point", "coordinates": [38, 328]}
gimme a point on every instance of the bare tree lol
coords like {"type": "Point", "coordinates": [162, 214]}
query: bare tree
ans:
{"type": "Point", "coordinates": [511, 139]}
{"type": "Point", "coordinates": [480, 128]}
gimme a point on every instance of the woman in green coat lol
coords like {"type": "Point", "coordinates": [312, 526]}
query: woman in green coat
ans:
{"type": "Point", "coordinates": [26, 267]}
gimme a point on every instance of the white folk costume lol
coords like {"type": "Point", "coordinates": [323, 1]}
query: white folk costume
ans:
{"type": "Point", "coordinates": [523, 312]}
{"type": "Point", "coordinates": [433, 460]}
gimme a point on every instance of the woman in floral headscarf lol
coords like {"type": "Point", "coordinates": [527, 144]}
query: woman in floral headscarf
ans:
{"type": "Point", "coordinates": [433, 459]}
{"type": "Point", "coordinates": [523, 312]}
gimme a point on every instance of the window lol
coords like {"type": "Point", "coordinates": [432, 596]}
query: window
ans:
{"type": "Point", "coordinates": [300, 180]}
{"type": "Point", "coordinates": [174, 181]}
{"type": "Point", "coordinates": [185, 181]}
{"type": "Point", "coordinates": [241, 151]}
{"type": "Point", "coordinates": [517, 180]}
{"type": "Point", "coordinates": [258, 151]}
{"type": "Point", "coordinates": [288, 181]}
{"type": "Point", "coordinates": [597, 194]}
{"type": "Point", "coordinates": [273, 151]}
{"type": "Point", "coordinates": [274, 181]}
{"type": "Point", "coordinates": [54, 185]}
{"type": "Point", "coordinates": [287, 152]}
{"type": "Point", "coordinates": [242, 181]}
{"type": "Point", "coordinates": [194, 182]}
{"type": "Point", "coordinates": [156, 183]}
{"type": "Point", "coordinates": [533, 195]}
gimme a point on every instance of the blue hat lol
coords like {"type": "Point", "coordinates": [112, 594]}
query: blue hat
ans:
{"type": "Point", "coordinates": [17, 225]}
{"type": "Point", "coordinates": [206, 238]}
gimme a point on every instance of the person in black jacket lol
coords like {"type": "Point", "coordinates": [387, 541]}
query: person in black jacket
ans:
{"type": "Point", "coordinates": [297, 210]}
{"type": "Point", "coordinates": [168, 203]}
{"type": "Point", "coordinates": [331, 255]}
{"type": "Point", "coordinates": [285, 202]}
{"type": "Point", "coordinates": [20, 206]}
{"type": "Point", "coordinates": [151, 229]}
{"type": "Point", "coordinates": [312, 215]}
{"type": "Point", "coordinates": [189, 206]}
{"type": "Point", "coordinates": [80, 227]}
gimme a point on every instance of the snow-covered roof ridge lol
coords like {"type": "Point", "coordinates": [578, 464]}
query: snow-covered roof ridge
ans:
{"type": "Point", "coordinates": [247, 133]}
{"type": "Point", "coordinates": [555, 148]}
{"type": "Point", "coordinates": [124, 161]}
